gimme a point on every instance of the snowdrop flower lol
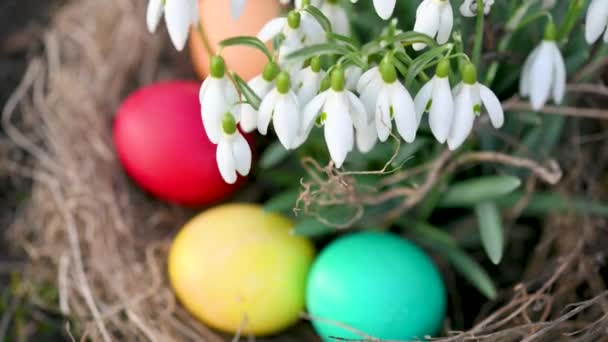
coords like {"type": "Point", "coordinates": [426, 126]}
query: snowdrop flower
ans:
{"type": "Point", "coordinates": [337, 17]}
{"type": "Point", "coordinates": [352, 74]}
{"type": "Point", "coordinates": [299, 30]}
{"type": "Point", "coordinates": [435, 19]}
{"type": "Point", "coordinates": [261, 86]}
{"type": "Point", "coordinates": [308, 81]}
{"type": "Point", "coordinates": [217, 96]}
{"type": "Point", "coordinates": [435, 97]}
{"type": "Point", "coordinates": [469, 7]}
{"type": "Point", "coordinates": [544, 72]}
{"type": "Point", "coordinates": [596, 21]}
{"type": "Point", "coordinates": [281, 105]}
{"type": "Point", "coordinates": [339, 111]}
{"type": "Point", "coordinates": [387, 99]}
{"type": "Point", "coordinates": [384, 8]}
{"type": "Point", "coordinates": [233, 154]}
{"type": "Point", "coordinates": [468, 98]}
{"type": "Point", "coordinates": [179, 15]}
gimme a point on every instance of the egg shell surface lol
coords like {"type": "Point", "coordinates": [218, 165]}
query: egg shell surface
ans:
{"type": "Point", "coordinates": [237, 266]}
{"type": "Point", "coordinates": [218, 24]}
{"type": "Point", "coordinates": [161, 142]}
{"type": "Point", "coordinates": [377, 283]}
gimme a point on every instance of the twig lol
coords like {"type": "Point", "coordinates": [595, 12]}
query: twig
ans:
{"type": "Point", "coordinates": [598, 89]}
{"type": "Point", "coordinates": [590, 113]}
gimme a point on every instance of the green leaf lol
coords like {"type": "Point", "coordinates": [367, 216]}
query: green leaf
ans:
{"type": "Point", "coordinates": [253, 42]}
{"type": "Point", "coordinates": [473, 191]}
{"type": "Point", "coordinates": [349, 42]}
{"type": "Point", "coordinates": [319, 49]}
{"type": "Point", "coordinates": [283, 202]}
{"type": "Point", "coordinates": [490, 229]}
{"type": "Point", "coordinates": [252, 98]}
{"type": "Point", "coordinates": [311, 227]}
{"type": "Point", "coordinates": [319, 17]}
{"type": "Point", "coordinates": [273, 155]}
{"type": "Point", "coordinates": [541, 203]}
{"type": "Point", "coordinates": [442, 243]}
{"type": "Point", "coordinates": [421, 62]}
{"type": "Point", "coordinates": [411, 37]}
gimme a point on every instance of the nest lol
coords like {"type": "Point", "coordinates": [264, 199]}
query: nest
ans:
{"type": "Point", "coordinates": [86, 229]}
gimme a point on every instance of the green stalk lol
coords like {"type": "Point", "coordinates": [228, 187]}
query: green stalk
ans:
{"type": "Point", "coordinates": [478, 35]}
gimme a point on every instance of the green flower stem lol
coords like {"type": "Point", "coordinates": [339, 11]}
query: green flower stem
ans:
{"type": "Point", "coordinates": [574, 11]}
{"type": "Point", "coordinates": [478, 35]}
{"type": "Point", "coordinates": [205, 40]}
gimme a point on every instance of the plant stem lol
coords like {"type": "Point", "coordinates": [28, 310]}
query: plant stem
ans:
{"type": "Point", "coordinates": [478, 35]}
{"type": "Point", "coordinates": [205, 40]}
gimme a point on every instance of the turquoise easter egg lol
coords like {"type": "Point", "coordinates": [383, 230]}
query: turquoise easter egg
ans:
{"type": "Point", "coordinates": [378, 284]}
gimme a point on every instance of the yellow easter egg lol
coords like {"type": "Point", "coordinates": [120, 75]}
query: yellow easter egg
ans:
{"type": "Point", "coordinates": [236, 266]}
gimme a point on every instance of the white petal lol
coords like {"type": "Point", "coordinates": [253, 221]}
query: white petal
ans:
{"type": "Point", "coordinates": [384, 8]}
{"type": "Point", "coordinates": [337, 17]}
{"type": "Point", "coordinates": [195, 13]}
{"type": "Point", "coordinates": [313, 31]}
{"type": "Point", "coordinates": [446, 21]}
{"type": "Point", "coordinates": [357, 110]}
{"type": "Point", "coordinates": [369, 97]}
{"type": "Point", "coordinates": [260, 86]}
{"type": "Point", "coordinates": [559, 81]}
{"type": "Point", "coordinates": [352, 75]}
{"type": "Point", "coordinates": [236, 8]}
{"type": "Point", "coordinates": [309, 116]}
{"type": "Point", "coordinates": [464, 116]}
{"type": "Point", "coordinates": [493, 106]}
{"type": "Point", "coordinates": [422, 99]}
{"type": "Point", "coordinates": [427, 20]}
{"type": "Point", "coordinates": [457, 89]}
{"type": "Point", "coordinates": [242, 154]}
{"type": "Point", "coordinates": [367, 78]}
{"type": "Point", "coordinates": [465, 9]}
{"type": "Point", "coordinates": [366, 137]}
{"type": "Point", "coordinates": [249, 118]}
{"type": "Point", "coordinates": [307, 84]}
{"type": "Point", "coordinates": [225, 160]}
{"type": "Point", "coordinates": [596, 20]}
{"type": "Point", "coordinates": [442, 109]}
{"type": "Point", "coordinates": [404, 112]}
{"type": "Point", "coordinates": [524, 80]}
{"type": "Point", "coordinates": [271, 29]}
{"type": "Point", "coordinates": [541, 76]}
{"type": "Point", "coordinates": [338, 130]}
{"type": "Point", "coordinates": [266, 110]}
{"type": "Point", "coordinates": [178, 17]}
{"type": "Point", "coordinates": [153, 14]}
{"type": "Point", "coordinates": [286, 119]}
{"type": "Point", "coordinates": [212, 108]}
{"type": "Point", "coordinates": [383, 123]}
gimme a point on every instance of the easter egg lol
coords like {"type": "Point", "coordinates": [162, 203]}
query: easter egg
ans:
{"type": "Point", "coordinates": [238, 267]}
{"type": "Point", "coordinates": [217, 24]}
{"type": "Point", "coordinates": [161, 142]}
{"type": "Point", "coordinates": [377, 283]}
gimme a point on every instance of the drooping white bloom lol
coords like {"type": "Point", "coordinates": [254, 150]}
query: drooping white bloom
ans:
{"type": "Point", "coordinates": [217, 96]}
{"type": "Point", "coordinates": [337, 17]}
{"type": "Point", "coordinates": [385, 98]}
{"type": "Point", "coordinates": [179, 15]}
{"type": "Point", "coordinates": [298, 30]}
{"type": "Point", "coordinates": [435, 19]}
{"type": "Point", "coordinates": [340, 112]}
{"type": "Point", "coordinates": [308, 81]}
{"type": "Point", "coordinates": [261, 86]}
{"type": "Point", "coordinates": [469, 7]}
{"type": "Point", "coordinates": [469, 96]}
{"type": "Point", "coordinates": [543, 75]}
{"type": "Point", "coordinates": [352, 74]}
{"type": "Point", "coordinates": [281, 105]}
{"type": "Point", "coordinates": [384, 8]}
{"type": "Point", "coordinates": [596, 21]}
{"type": "Point", "coordinates": [233, 153]}
{"type": "Point", "coordinates": [435, 97]}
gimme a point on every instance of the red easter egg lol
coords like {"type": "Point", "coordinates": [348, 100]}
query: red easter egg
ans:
{"type": "Point", "coordinates": [161, 142]}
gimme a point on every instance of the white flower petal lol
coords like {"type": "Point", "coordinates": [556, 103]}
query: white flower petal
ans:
{"type": "Point", "coordinates": [352, 75]}
{"type": "Point", "coordinates": [366, 137]}
{"type": "Point", "coordinates": [338, 132]}
{"type": "Point", "coordinates": [384, 8]}
{"type": "Point", "coordinates": [427, 20]}
{"type": "Point", "coordinates": [195, 12]}
{"type": "Point", "coordinates": [153, 14]}
{"type": "Point", "coordinates": [306, 85]}
{"type": "Point", "coordinates": [367, 78]}
{"type": "Point", "coordinates": [464, 117]}
{"type": "Point", "coordinates": [236, 8]}
{"type": "Point", "coordinates": [309, 116]}
{"type": "Point", "coordinates": [404, 112]}
{"type": "Point", "coordinates": [422, 99]}
{"type": "Point", "coordinates": [286, 119]}
{"type": "Point", "coordinates": [493, 106]}
{"type": "Point", "coordinates": [242, 154]}
{"type": "Point", "coordinates": [213, 107]}
{"type": "Point", "coordinates": [313, 32]}
{"type": "Point", "coordinates": [178, 18]}
{"type": "Point", "coordinates": [541, 76]}
{"type": "Point", "coordinates": [267, 107]}
{"type": "Point", "coordinates": [383, 122]}
{"type": "Point", "coordinates": [596, 20]}
{"type": "Point", "coordinates": [337, 17]}
{"type": "Point", "coordinates": [249, 118]}
{"type": "Point", "coordinates": [442, 109]}
{"type": "Point", "coordinates": [524, 80]}
{"type": "Point", "coordinates": [272, 28]}
{"type": "Point", "coordinates": [225, 160]}
{"type": "Point", "coordinates": [357, 110]}
{"type": "Point", "coordinates": [446, 21]}
{"type": "Point", "coordinates": [369, 97]}
{"type": "Point", "coordinates": [559, 80]}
